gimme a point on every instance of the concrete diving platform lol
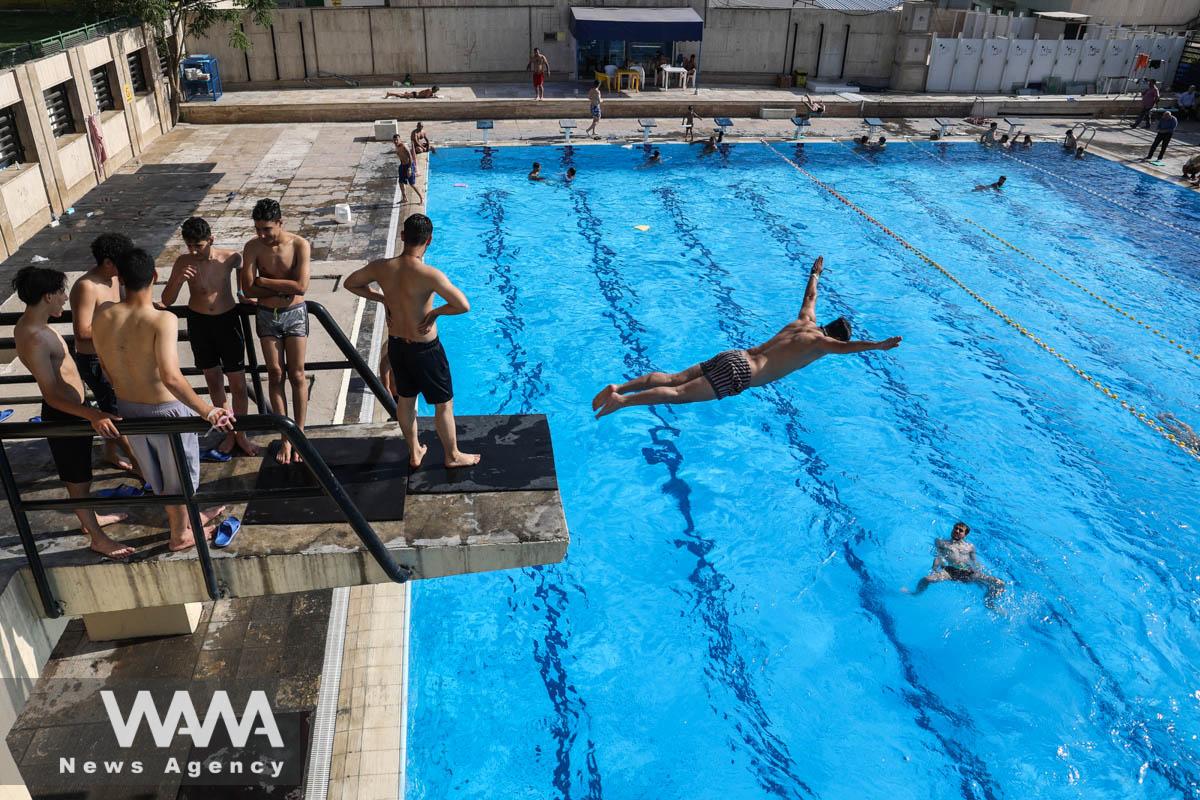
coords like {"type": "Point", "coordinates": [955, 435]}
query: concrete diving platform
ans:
{"type": "Point", "coordinates": [504, 513]}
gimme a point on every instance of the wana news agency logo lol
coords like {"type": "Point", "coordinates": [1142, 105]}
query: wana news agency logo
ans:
{"type": "Point", "coordinates": [181, 719]}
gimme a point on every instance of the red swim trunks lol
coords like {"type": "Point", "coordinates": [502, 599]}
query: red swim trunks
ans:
{"type": "Point", "coordinates": [539, 78]}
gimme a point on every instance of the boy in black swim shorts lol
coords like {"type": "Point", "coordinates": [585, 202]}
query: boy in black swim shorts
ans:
{"type": "Point", "coordinates": [214, 325]}
{"type": "Point", "coordinates": [44, 352]}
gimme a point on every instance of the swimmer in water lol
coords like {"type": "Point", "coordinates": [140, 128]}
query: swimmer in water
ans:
{"type": "Point", "coordinates": [956, 561]}
{"type": "Point", "coordinates": [801, 342]}
{"type": "Point", "coordinates": [1181, 431]}
{"type": "Point", "coordinates": [997, 186]}
{"type": "Point", "coordinates": [570, 174]}
{"type": "Point", "coordinates": [535, 174]}
{"type": "Point", "coordinates": [655, 157]}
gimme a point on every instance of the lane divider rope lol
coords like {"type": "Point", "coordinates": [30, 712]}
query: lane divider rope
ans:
{"type": "Point", "coordinates": [1165, 337]}
{"type": "Point", "coordinates": [1104, 197]}
{"type": "Point", "coordinates": [1142, 416]}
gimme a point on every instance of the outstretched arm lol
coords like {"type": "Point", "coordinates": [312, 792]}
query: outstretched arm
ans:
{"type": "Point", "coordinates": [808, 311]}
{"type": "Point", "coordinates": [844, 348]}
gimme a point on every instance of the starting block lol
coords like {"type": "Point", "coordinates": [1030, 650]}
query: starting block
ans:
{"type": "Point", "coordinates": [723, 123]}
{"type": "Point", "coordinates": [647, 124]}
{"type": "Point", "coordinates": [801, 123]}
{"type": "Point", "coordinates": [874, 124]}
{"type": "Point", "coordinates": [566, 126]}
{"type": "Point", "coordinates": [943, 127]}
{"type": "Point", "coordinates": [1014, 125]}
{"type": "Point", "coordinates": [486, 126]}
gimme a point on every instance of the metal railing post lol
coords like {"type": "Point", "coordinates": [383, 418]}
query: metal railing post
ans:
{"type": "Point", "coordinates": [252, 362]}
{"type": "Point", "coordinates": [353, 356]}
{"type": "Point", "coordinates": [185, 485]}
{"type": "Point", "coordinates": [333, 487]}
{"type": "Point", "coordinates": [51, 606]}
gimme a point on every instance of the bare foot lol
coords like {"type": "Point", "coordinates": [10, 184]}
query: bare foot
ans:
{"type": "Point", "coordinates": [207, 515]}
{"type": "Point", "coordinates": [613, 402]}
{"type": "Point", "coordinates": [108, 548]}
{"type": "Point", "coordinates": [245, 445]}
{"type": "Point", "coordinates": [462, 460]}
{"type": "Point", "coordinates": [114, 457]}
{"type": "Point", "coordinates": [296, 457]}
{"type": "Point", "coordinates": [599, 399]}
{"type": "Point", "coordinates": [188, 541]}
{"type": "Point", "coordinates": [284, 454]}
{"type": "Point", "coordinates": [415, 463]}
{"type": "Point", "coordinates": [111, 519]}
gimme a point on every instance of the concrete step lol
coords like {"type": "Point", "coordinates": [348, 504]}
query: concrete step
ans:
{"type": "Point", "coordinates": [505, 513]}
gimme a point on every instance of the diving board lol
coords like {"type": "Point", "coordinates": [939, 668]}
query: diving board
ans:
{"type": "Point", "coordinates": [646, 125]}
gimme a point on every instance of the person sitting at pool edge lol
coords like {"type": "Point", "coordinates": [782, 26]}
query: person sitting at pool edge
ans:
{"type": "Point", "coordinates": [997, 185]}
{"type": "Point", "coordinates": [727, 374]}
{"type": "Point", "coordinates": [955, 561]}
{"type": "Point", "coordinates": [1191, 169]}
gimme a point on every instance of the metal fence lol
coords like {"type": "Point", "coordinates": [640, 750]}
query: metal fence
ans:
{"type": "Point", "coordinates": [62, 41]}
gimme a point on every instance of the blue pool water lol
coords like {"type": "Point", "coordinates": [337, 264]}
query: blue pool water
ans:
{"type": "Point", "coordinates": [729, 622]}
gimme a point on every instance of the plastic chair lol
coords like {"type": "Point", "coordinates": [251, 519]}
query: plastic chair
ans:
{"type": "Point", "coordinates": [603, 78]}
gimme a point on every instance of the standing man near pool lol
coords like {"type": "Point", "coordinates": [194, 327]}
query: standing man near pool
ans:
{"type": "Point", "coordinates": [956, 561]}
{"type": "Point", "coordinates": [275, 271]}
{"type": "Point", "coordinates": [540, 65]}
{"type": "Point", "coordinates": [94, 288]}
{"type": "Point", "coordinates": [1167, 124]}
{"type": "Point", "coordinates": [419, 363]}
{"type": "Point", "coordinates": [594, 101]}
{"type": "Point", "coordinates": [730, 373]}
{"type": "Point", "coordinates": [1149, 101]}
{"type": "Point", "coordinates": [406, 171]}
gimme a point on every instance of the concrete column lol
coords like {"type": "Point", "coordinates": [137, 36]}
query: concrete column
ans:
{"type": "Point", "coordinates": [87, 104]}
{"type": "Point", "coordinates": [41, 140]}
{"type": "Point", "coordinates": [104, 626]}
{"type": "Point", "coordinates": [121, 62]}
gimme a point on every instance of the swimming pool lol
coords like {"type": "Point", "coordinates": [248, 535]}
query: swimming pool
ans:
{"type": "Point", "coordinates": [729, 621]}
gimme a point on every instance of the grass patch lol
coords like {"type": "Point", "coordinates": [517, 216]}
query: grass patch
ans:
{"type": "Point", "coordinates": [24, 26]}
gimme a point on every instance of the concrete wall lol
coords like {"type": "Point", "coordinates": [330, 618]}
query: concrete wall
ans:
{"type": "Point", "coordinates": [488, 39]}
{"type": "Point", "coordinates": [1143, 13]}
{"type": "Point", "coordinates": [59, 170]}
{"type": "Point", "coordinates": [26, 639]}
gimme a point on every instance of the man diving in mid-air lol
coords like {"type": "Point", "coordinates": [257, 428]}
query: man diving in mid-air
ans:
{"type": "Point", "coordinates": [730, 373]}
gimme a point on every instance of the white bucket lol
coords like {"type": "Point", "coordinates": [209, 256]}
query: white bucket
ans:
{"type": "Point", "coordinates": [341, 212]}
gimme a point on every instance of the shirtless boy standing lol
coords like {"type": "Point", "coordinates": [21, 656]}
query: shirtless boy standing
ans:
{"type": "Point", "coordinates": [730, 373]}
{"type": "Point", "coordinates": [274, 271]}
{"type": "Point", "coordinates": [214, 325]}
{"type": "Point", "coordinates": [94, 288]}
{"type": "Point", "coordinates": [44, 354]}
{"type": "Point", "coordinates": [406, 171]}
{"type": "Point", "coordinates": [138, 345]}
{"type": "Point", "coordinates": [419, 364]}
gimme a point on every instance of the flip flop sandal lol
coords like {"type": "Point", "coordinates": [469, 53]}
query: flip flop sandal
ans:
{"type": "Point", "coordinates": [35, 419]}
{"type": "Point", "coordinates": [215, 456]}
{"type": "Point", "coordinates": [228, 529]}
{"type": "Point", "coordinates": [5, 414]}
{"type": "Point", "coordinates": [123, 491]}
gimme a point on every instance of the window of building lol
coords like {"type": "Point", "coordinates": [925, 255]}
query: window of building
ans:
{"type": "Point", "coordinates": [11, 151]}
{"type": "Point", "coordinates": [137, 72]}
{"type": "Point", "coordinates": [102, 88]}
{"type": "Point", "coordinates": [58, 106]}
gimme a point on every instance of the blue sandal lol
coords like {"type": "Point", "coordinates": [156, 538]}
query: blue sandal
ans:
{"type": "Point", "coordinates": [215, 456]}
{"type": "Point", "coordinates": [5, 414]}
{"type": "Point", "coordinates": [228, 529]}
{"type": "Point", "coordinates": [124, 491]}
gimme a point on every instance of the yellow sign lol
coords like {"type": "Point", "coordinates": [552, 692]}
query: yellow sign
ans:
{"type": "Point", "coordinates": [128, 93]}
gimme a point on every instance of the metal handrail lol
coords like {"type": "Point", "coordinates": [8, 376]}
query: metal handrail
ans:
{"type": "Point", "coordinates": [64, 40]}
{"type": "Point", "coordinates": [260, 422]}
{"type": "Point", "coordinates": [174, 427]}
{"type": "Point", "coordinates": [354, 359]}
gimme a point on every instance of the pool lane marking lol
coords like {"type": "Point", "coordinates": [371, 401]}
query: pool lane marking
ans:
{"type": "Point", "coordinates": [1033, 337]}
{"type": "Point", "coordinates": [1165, 337]}
{"type": "Point", "coordinates": [1106, 198]}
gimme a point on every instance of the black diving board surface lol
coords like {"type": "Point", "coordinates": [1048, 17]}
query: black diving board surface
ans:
{"type": "Point", "coordinates": [504, 514]}
{"type": "Point", "coordinates": [373, 471]}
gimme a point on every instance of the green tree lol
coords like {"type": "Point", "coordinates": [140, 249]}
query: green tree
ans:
{"type": "Point", "coordinates": [173, 22]}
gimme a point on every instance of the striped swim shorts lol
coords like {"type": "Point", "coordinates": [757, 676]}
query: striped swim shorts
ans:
{"type": "Point", "coordinates": [728, 373]}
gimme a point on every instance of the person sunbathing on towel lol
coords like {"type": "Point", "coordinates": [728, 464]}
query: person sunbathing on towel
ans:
{"type": "Point", "coordinates": [423, 94]}
{"type": "Point", "coordinates": [800, 343]}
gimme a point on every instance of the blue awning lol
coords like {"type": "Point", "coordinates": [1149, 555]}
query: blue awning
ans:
{"type": "Point", "coordinates": [637, 24]}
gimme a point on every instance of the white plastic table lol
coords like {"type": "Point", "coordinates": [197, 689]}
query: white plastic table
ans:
{"type": "Point", "coordinates": [669, 71]}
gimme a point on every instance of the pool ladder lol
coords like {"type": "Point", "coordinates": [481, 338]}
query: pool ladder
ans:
{"type": "Point", "coordinates": [1085, 129]}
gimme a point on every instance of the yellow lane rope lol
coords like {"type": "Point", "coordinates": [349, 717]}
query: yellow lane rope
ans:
{"type": "Point", "coordinates": [1166, 338]}
{"type": "Point", "coordinates": [1142, 416]}
{"type": "Point", "coordinates": [1104, 197]}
